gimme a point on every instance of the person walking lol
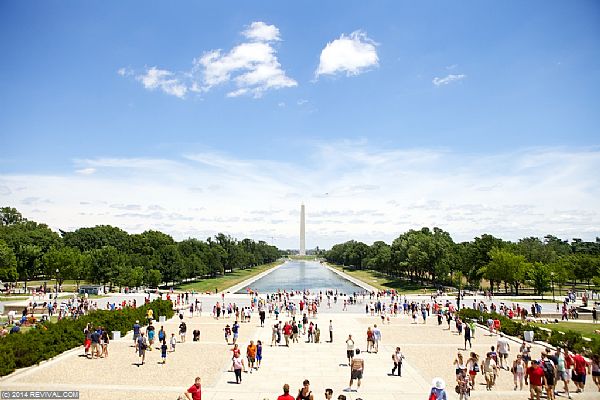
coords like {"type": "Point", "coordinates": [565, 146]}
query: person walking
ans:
{"type": "Point", "coordinates": [473, 368]}
{"type": "Point", "coordinates": [236, 331]}
{"type": "Point", "coordinates": [397, 357]}
{"type": "Point", "coordinates": [595, 367]}
{"type": "Point", "coordinates": [142, 346]}
{"type": "Point", "coordinates": [330, 331]}
{"type": "Point", "coordinates": [195, 391]}
{"type": "Point", "coordinates": [518, 370]}
{"type": "Point", "coordinates": [563, 369]}
{"type": "Point", "coordinates": [173, 342]}
{"type": "Point", "coordinates": [468, 336]}
{"type": "Point", "coordinates": [182, 331]}
{"type": "Point", "coordinates": [536, 380]}
{"type": "Point", "coordinates": [490, 371]}
{"type": "Point", "coordinates": [503, 348]}
{"type": "Point", "coordinates": [376, 338]}
{"type": "Point", "coordinates": [580, 370]}
{"type": "Point", "coordinates": [350, 349]}
{"type": "Point", "coordinates": [251, 355]}
{"type": "Point", "coordinates": [163, 351]}
{"type": "Point", "coordinates": [286, 393]}
{"type": "Point", "coordinates": [438, 391]}
{"type": "Point", "coordinates": [357, 368]}
{"type": "Point", "coordinates": [259, 350]}
{"type": "Point", "coordinates": [305, 393]}
{"type": "Point", "coordinates": [237, 366]}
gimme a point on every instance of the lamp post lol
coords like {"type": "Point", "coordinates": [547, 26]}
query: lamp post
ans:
{"type": "Point", "coordinates": [552, 281]}
{"type": "Point", "coordinates": [56, 294]}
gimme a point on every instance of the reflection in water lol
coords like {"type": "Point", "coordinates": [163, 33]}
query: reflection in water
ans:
{"type": "Point", "coordinates": [300, 275]}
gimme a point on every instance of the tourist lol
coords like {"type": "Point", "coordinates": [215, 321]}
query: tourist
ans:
{"type": "Point", "coordinates": [136, 333]}
{"type": "Point", "coordinates": [274, 334]}
{"type": "Point", "coordinates": [342, 397]}
{"type": "Point", "coordinates": [330, 331]}
{"type": "Point", "coordinates": [150, 331]}
{"type": "Point", "coordinates": [580, 370]}
{"type": "Point", "coordinates": [461, 368]}
{"type": "Point", "coordinates": [295, 331]}
{"type": "Point", "coordinates": [305, 393]}
{"type": "Point", "coordinates": [95, 337]}
{"type": "Point", "coordinates": [468, 336]}
{"type": "Point", "coordinates": [195, 391]}
{"type": "Point", "coordinates": [196, 335]}
{"type": "Point", "coordinates": [563, 368]}
{"type": "Point", "coordinates": [503, 348]}
{"type": "Point", "coordinates": [237, 366]}
{"type": "Point", "coordinates": [87, 343]}
{"type": "Point", "coordinates": [518, 370]}
{"type": "Point", "coordinates": [397, 357]}
{"type": "Point", "coordinates": [236, 331]}
{"type": "Point", "coordinates": [596, 370]}
{"type": "Point", "coordinates": [286, 393]}
{"type": "Point", "coordinates": [349, 349]}
{"type": "Point", "coordinates": [142, 345]}
{"type": "Point", "coordinates": [317, 334]}
{"type": "Point", "coordinates": [356, 371]}
{"type": "Point", "coordinates": [162, 335]}
{"type": "Point", "coordinates": [328, 393]}
{"type": "Point", "coordinates": [376, 338]}
{"type": "Point", "coordinates": [182, 331]}
{"type": "Point", "coordinates": [251, 355]}
{"type": "Point", "coordinates": [535, 378]}
{"type": "Point", "coordinates": [490, 371]}
{"type": "Point", "coordinates": [438, 391]}
{"type": "Point", "coordinates": [258, 353]}
{"type": "Point", "coordinates": [526, 353]}
{"type": "Point", "coordinates": [163, 351]}
{"type": "Point", "coordinates": [462, 387]}
{"type": "Point", "coordinates": [173, 342]}
{"type": "Point", "coordinates": [227, 331]}
{"type": "Point", "coordinates": [287, 332]}
{"type": "Point", "coordinates": [104, 340]}
{"type": "Point", "coordinates": [473, 368]}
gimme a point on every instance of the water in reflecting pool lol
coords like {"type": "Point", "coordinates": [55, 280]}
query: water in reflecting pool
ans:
{"type": "Point", "coordinates": [300, 275]}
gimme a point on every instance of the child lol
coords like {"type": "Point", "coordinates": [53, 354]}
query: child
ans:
{"type": "Point", "coordinates": [163, 351]}
{"type": "Point", "coordinates": [173, 342]}
{"type": "Point", "coordinates": [258, 354]}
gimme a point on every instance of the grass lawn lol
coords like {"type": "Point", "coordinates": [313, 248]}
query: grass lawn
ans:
{"type": "Point", "coordinates": [579, 327]}
{"type": "Point", "coordinates": [13, 298]}
{"type": "Point", "coordinates": [223, 282]}
{"type": "Point", "coordinates": [306, 258]}
{"type": "Point", "coordinates": [383, 282]}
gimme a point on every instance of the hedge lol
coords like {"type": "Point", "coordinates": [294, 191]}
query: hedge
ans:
{"type": "Point", "coordinates": [570, 339]}
{"type": "Point", "coordinates": [48, 339]}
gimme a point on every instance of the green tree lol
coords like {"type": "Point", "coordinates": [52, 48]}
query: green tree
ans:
{"type": "Point", "coordinates": [539, 277]}
{"type": "Point", "coordinates": [505, 266]}
{"type": "Point", "coordinates": [10, 216]}
{"type": "Point", "coordinates": [153, 278]}
{"type": "Point", "coordinates": [8, 263]}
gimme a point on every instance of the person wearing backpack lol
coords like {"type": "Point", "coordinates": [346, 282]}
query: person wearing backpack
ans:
{"type": "Point", "coordinates": [550, 374]}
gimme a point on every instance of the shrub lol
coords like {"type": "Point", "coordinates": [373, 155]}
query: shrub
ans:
{"type": "Point", "coordinates": [50, 339]}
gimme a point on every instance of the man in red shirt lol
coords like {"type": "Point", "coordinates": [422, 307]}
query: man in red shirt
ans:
{"type": "Point", "coordinates": [579, 372]}
{"type": "Point", "coordinates": [536, 379]}
{"type": "Point", "coordinates": [194, 392]}
{"type": "Point", "coordinates": [286, 393]}
{"type": "Point", "coordinates": [287, 331]}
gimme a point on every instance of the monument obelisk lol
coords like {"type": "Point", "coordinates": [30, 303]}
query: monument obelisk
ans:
{"type": "Point", "coordinates": [302, 232]}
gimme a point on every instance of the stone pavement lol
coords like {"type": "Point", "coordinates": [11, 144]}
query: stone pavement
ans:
{"type": "Point", "coordinates": [429, 349]}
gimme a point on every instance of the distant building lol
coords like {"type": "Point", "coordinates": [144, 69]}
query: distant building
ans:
{"type": "Point", "coordinates": [91, 289]}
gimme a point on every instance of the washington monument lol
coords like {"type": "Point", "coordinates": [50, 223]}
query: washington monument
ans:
{"type": "Point", "coordinates": [302, 233]}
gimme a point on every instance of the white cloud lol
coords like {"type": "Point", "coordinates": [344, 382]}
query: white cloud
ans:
{"type": "Point", "coordinates": [371, 194]}
{"type": "Point", "coordinates": [353, 54]}
{"type": "Point", "coordinates": [164, 80]}
{"type": "Point", "coordinates": [86, 171]}
{"type": "Point", "coordinates": [262, 32]}
{"type": "Point", "coordinates": [448, 79]}
{"type": "Point", "coordinates": [252, 67]}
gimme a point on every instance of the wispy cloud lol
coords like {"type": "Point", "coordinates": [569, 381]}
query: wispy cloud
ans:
{"type": "Point", "coordinates": [372, 193]}
{"type": "Point", "coordinates": [448, 79]}
{"type": "Point", "coordinates": [251, 67]}
{"type": "Point", "coordinates": [352, 55]}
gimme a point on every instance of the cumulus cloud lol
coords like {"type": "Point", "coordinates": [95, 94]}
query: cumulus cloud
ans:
{"type": "Point", "coordinates": [373, 193]}
{"type": "Point", "coordinates": [164, 80]}
{"type": "Point", "coordinates": [260, 31]}
{"type": "Point", "coordinates": [251, 68]}
{"type": "Point", "coordinates": [352, 55]}
{"type": "Point", "coordinates": [448, 79]}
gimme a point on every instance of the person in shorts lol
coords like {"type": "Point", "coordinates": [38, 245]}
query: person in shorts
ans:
{"type": "Point", "coordinates": [349, 349]}
{"type": "Point", "coordinates": [536, 380]}
{"type": "Point", "coordinates": [357, 368]}
{"type": "Point", "coordinates": [251, 355]}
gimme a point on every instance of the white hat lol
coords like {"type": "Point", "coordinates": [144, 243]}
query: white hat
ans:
{"type": "Point", "coordinates": [438, 383]}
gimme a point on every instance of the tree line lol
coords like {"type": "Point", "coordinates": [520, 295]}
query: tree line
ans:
{"type": "Point", "coordinates": [432, 256]}
{"type": "Point", "coordinates": [108, 255]}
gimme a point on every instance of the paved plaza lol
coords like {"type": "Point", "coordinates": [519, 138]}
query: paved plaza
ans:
{"type": "Point", "coordinates": [429, 350]}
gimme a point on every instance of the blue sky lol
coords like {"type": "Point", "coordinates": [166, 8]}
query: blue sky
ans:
{"type": "Point", "coordinates": [198, 117]}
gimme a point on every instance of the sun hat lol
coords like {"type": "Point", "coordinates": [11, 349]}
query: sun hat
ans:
{"type": "Point", "coordinates": [438, 383]}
